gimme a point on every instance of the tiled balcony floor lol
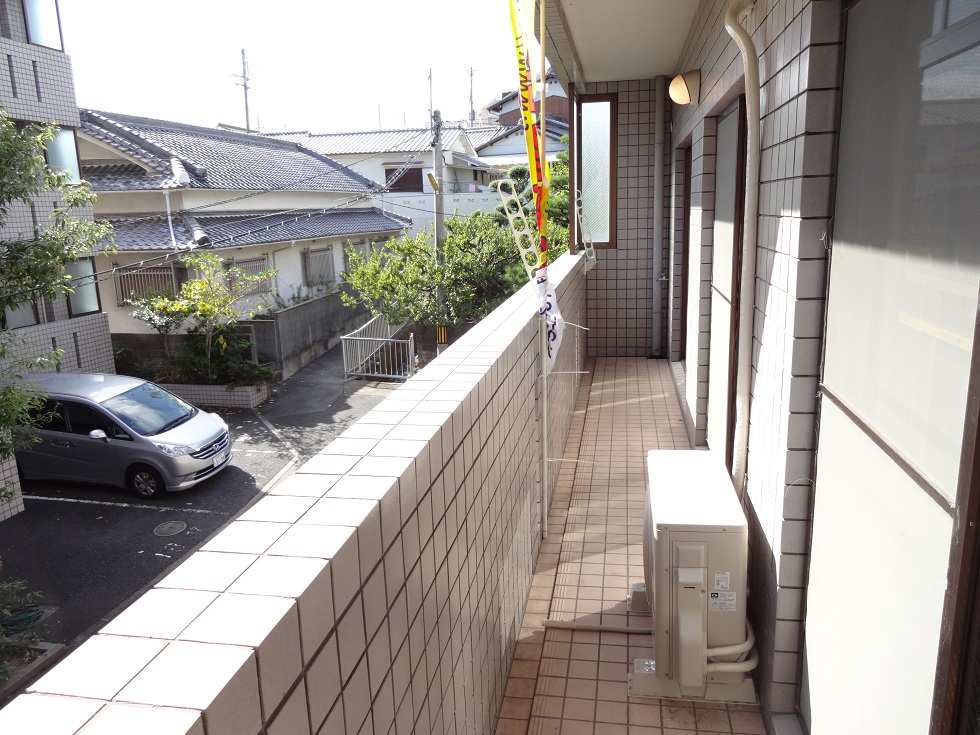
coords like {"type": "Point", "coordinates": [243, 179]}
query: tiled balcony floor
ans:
{"type": "Point", "coordinates": [574, 683]}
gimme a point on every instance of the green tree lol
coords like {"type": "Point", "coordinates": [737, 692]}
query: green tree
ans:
{"type": "Point", "coordinates": [211, 302]}
{"type": "Point", "coordinates": [400, 280]}
{"type": "Point", "coordinates": [557, 200]}
{"type": "Point", "coordinates": [33, 265]}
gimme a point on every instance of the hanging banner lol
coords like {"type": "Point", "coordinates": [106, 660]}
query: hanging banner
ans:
{"type": "Point", "coordinates": [540, 175]}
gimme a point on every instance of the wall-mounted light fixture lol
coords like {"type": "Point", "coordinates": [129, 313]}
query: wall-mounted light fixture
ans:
{"type": "Point", "coordinates": [685, 88]}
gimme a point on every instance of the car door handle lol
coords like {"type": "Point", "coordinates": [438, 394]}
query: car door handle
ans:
{"type": "Point", "coordinates": [63, 443]}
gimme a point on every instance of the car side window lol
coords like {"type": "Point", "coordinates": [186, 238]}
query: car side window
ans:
{"type": "Point", "coordinates": [82, 419]}
{"type": "Point", "coordinates": [51, 416]}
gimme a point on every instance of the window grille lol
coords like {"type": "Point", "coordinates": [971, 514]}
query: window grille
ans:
{"type": "Point", "coordinates": [252, 267]}
{"type": "Point", "coordinates": [146, 281]}
{"type": "Point", "coordinates": [318, 267]}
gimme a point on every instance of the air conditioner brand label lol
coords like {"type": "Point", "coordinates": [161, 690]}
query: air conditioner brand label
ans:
{"type": "Point", "coordinates": [723, 580]}
{"type": "Point", "coordinates": [721, 602]}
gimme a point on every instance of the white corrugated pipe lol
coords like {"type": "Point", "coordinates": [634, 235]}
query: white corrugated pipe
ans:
{"type": "Point", "coordinates": [750, 224]}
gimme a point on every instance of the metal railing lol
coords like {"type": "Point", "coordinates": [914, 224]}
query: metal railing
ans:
{"type": "Point", "coordinates": [374, 352]}
{"type": "Point", "coordinates": [148, 280]}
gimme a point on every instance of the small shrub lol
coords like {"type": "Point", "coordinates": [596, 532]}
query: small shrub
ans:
{"type": "Point", "coordinates": [18, 612]}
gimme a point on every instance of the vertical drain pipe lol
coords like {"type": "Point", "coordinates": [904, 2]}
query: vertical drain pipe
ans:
{"type": "Point", "coordinates": [656, 343]}
{"type": "Point", "coordinates": [750, 224]}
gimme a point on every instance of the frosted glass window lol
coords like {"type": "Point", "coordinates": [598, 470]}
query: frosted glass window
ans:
{"type": "Point", "coordinates": [905, 265]}
{"type": "Point", "coordinates": [596, 174]}
{"type": "Point", "coordinates": [43, 26]}
{"type": "Point", "coordinates": [63, 155]}
{"type": "Point", "coordinates": [85, 296]}
{"type": "Point", "coordinates": [960, 9]}
{"type": "Point", "coordinates": [20, 316]}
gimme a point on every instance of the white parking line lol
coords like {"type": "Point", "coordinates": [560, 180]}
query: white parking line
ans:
{"type": "Point", "coordinates": [126, 505]}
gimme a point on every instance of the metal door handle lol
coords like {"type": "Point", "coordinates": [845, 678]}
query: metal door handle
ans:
{"type": "Point", "coordinates": [63, 443]}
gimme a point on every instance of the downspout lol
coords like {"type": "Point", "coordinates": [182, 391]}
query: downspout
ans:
{"type": "Point", "coordinates": [658, 218]}
{"type": "Point", "coordinates": [170, 222]}
{"type": "Point", "coordinates": [746, 318]}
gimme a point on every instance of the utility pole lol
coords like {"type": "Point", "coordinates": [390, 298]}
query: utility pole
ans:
{"type": "Point", "coordinates": [244, 85]}
{"type": "Point", "coordinates": [472, 111]}
{"type": "Point", "coordinates": [430, 93]}
{"type": "Point", "coordinates": [442, 333]}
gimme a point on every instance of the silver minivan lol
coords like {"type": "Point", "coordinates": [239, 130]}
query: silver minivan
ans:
{"type": "Point", "coordinates": [122, 431]}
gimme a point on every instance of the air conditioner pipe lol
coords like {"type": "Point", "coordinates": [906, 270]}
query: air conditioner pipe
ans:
{"type": "Point", "coordinates": [735, 667]}
{"type": "Point", "coordinates": [750, 60]}
{"type": "Point", "coordinates": [736, 649]}
{"type": "Point", "coordinates": [570, 625]}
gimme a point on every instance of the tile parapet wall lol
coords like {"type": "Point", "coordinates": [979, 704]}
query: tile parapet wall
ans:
{"type": "Point", "coordinates": [379, 588]}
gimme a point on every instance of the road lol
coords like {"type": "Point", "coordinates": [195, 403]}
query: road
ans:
{"type": "Point", "coordinates": [89, 549]}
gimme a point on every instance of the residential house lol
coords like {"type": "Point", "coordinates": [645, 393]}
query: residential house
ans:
{"type": "Point", "coordinates": [403, 160]}
{"type": "Point", "coordinates": [505, 146]}
{"type": "Point", "coordinates": [854, 233]}
{"type": "Point", "coordinates": [506, 111]}
{"type": "Point", "coordinates": [37, 86]}
{"type": "Point", "coordinates": [259, 203]}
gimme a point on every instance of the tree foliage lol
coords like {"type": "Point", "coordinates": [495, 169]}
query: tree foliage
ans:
{"type": "Point", "coordinates": [33, 264]}
{"type": "Point", "coordinates": [211, 303]}
{"type": "Point", "coordinates": [401, 280]}
{"type": "Point", "coordinates": [558, 197]}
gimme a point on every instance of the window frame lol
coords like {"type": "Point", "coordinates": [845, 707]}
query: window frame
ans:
{"type": "Point", "coordinates": [400, 186]}
{"type": "Point", "coordinates": [30, 34]}
{"type": "Point", "coordinates": [245, 264]}
{"type": "Point", "coordinates": [74, 175]}
{"type": "Point", "coordinates": [72, 314]}
{"type": "Point", "coordinates": [123, 274]}
{"type": "Point", "coordinates": [32, 305]}
{"type": "Point", "coordinates": [307, 256]}
{"type": "Point", "coordinates": [613, 99]}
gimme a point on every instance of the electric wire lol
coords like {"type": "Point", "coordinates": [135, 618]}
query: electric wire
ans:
{"type": "Point", "coordinates": [155, 261]}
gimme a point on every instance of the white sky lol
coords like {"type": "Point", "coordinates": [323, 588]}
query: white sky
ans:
{"type": "Point", "coordinates": [319, 65]}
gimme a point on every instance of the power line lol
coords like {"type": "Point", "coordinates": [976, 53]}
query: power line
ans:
{"type": "Point", "coordinates": [146, 263]}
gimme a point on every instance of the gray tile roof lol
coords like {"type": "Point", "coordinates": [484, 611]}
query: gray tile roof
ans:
{"type": "Point", "coordinates": [126, 177]}
{"type": "Point", "coordinates": [148, 233]}
{"type": "Point", "coordinates": [481, 135]}
{"type": "Point", "coordinates": [215, 158]}
{"type": "Point", "coordinates": [468, 161]}
{"type": "Point", "coordinates": [554, 129]}
{"type": "Point", "coordinates": [406, 140]}
{"type": "Point", "coordinates": [253, 228]}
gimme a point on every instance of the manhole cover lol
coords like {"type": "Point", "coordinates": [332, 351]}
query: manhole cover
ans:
{"type": "Point", "coordinates": [170, 528]}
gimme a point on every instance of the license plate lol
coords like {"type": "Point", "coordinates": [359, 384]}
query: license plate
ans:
{"type": "Point", "coordinates": [219, 458]}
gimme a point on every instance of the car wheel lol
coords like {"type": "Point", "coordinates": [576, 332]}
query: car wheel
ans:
{"type": "Point", "coordinates": [145, 481]}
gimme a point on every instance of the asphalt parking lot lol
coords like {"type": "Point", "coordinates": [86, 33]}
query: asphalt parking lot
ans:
{"type": "Point", "coordinates": [89, 549]}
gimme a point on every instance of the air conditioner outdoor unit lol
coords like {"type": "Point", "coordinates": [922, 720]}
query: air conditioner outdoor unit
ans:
{"type": "Point", "coordinates": [695, 550]}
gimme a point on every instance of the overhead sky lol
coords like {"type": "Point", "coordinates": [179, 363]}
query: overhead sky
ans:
{"type": "Point", "coordinates": [319, 65]}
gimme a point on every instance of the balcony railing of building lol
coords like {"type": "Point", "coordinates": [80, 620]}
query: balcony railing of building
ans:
{"type": "Point", "coordinates": [380, 588]}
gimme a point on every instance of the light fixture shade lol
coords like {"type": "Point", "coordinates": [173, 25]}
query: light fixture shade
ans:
{"type": "Point", "coordinates": [685, 89]}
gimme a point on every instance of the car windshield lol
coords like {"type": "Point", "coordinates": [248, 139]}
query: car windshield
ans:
{"type": "Point", "coordinates": [148, 409]}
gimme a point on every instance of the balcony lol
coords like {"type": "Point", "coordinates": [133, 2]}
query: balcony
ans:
{"type": "Point", "coordinates": [575, 683]}
{"type": "Point", "coordinates": [397, 582]}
